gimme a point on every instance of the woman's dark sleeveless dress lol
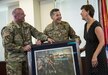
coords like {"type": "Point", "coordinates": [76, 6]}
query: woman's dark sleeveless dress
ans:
{"type": "Point", "coordinates": [91, 45]}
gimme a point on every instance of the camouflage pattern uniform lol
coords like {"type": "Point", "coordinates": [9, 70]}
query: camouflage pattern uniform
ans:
{"type": "Point", "coordinates": [14, 38]}
{"type": "Point", "coordinates": [61, 32]}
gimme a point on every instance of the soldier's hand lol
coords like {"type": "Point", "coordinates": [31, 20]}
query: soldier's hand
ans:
{"type": "Point", "coordinates": [50, 40]}
{"type": "Point", "coordinates": [27, 48]}
{"type": "Point", "coordinates": [38, 42]}
{"type": "Point", "coordinates": [78, 41]}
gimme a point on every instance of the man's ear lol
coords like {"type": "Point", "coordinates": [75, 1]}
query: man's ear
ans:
{"type": "Point", "coordinates": [51, 17]}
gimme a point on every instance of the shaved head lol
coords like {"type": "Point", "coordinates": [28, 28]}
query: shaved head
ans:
{"type": "Point", "coordinates": [19, 15]}
{"type": "Point", "coordinates": [16, 10]}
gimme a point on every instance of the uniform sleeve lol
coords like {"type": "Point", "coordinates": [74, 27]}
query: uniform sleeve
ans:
{"type": "Point", "coordinates": [38, 35]}
{"type": "Point", "coordinates": [73, 35]}
{"type": "Point", "coordinates": [45, 31]}
{"type": "Point", "coordinates": [7, 40]}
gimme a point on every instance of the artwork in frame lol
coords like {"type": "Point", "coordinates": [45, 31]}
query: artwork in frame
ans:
{"type": "Point", "coordinates": [60, 58]}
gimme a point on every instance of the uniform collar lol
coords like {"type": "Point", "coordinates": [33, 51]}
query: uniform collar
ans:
{"type": "Point", "coordinates": [53, 24]}
{"type": "Point", "coordinates": [17, 25]}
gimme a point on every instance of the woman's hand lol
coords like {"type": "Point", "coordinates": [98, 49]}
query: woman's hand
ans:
{"type": "Point", "coordinates": [94, 61]}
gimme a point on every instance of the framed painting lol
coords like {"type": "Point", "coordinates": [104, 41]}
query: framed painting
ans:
{"type": "Point", "coordinates": [60, 58]}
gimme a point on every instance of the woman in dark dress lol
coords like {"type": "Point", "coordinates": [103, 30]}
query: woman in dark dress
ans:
{"type": "Point", "coordinates": [94, 36]}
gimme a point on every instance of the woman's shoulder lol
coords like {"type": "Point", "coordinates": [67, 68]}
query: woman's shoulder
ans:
{"type": "Point", "coordinates": [96, 24]}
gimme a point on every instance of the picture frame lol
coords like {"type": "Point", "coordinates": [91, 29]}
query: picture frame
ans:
{"type": "Point", "coordinates": [61, 58]}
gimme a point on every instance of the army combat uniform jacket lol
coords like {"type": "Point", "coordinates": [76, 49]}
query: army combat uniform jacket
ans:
{"type": "Point", "coordinates": [16, 36]}
{"type": "Point", "coordinates": [61, 32]}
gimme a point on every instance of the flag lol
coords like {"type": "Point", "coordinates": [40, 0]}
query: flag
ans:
{"type": "Point", "coordinates": [103, 17]}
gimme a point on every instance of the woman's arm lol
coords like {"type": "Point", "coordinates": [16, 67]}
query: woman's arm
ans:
{"type": "Point", "coordinates": [100, 35]}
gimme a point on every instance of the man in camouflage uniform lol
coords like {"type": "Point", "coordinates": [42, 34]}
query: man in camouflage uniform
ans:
{"type": "Point", "coordinates": [60, 30]}
{"type": "Point", "coordinates": [17, 40]}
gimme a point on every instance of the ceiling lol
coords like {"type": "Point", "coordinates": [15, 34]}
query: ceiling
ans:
{"type": "Point", "coordinates": [12, 2]}
{"type": "Point", "coordinates": [7, 2]}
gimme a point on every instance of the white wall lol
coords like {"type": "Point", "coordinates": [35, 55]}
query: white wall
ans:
{"type": "Point", "coordinates": [45, 8]}
{"type": "Point", "coordinates": [37, 18]}
{"type": "Point", "coordinates": [3, 22]}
